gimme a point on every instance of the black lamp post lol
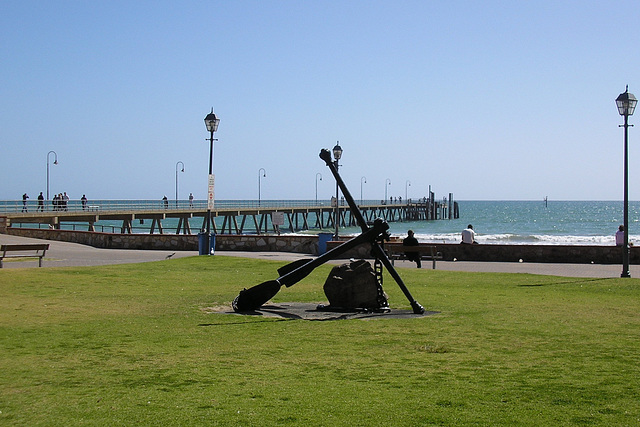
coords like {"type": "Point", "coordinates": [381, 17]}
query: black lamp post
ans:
{"type": "Point", "coordinates": [261, 174]}
{"type": "Point", "coordinates": [211, 121]}
{"type": "Point", "coordinates": [318, 175]}
{"type": "Point", "coordinates": [337, 154]}
{"type": "Point", "coordinates": [55, 162]}
{"type": "Point", "coordinates": [178, 163]}
{"type": "Point", "coordinates": [626, 103]}
{"type": "Point", "coordinates": [387, 183]}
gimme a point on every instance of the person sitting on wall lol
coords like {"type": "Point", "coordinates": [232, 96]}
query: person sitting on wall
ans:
{"type": "Point", "coordinates": [412, 241]}
{"type": "Point", "coordinates": [468, 236]}
{"type": "Point", "coordinates": [620, 236]}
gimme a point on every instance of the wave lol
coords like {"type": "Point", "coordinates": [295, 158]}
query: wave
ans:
{"type": "Point", "coordinates": [531, 239]}
{"type": "Point", "coordinates": [518, 239]}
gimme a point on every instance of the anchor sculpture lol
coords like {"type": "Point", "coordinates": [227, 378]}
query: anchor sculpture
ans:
{"type": "Point", "coordinates": [253, 298]}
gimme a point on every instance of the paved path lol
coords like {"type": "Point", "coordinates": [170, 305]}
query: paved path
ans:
{"type": "Point", "coordinates": [64, 254]}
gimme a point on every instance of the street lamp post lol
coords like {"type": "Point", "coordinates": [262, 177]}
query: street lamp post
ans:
{"type": "Point", "coordinates": [362, 179]}
{"type": "Point", "coordinates": [212, 122]}
{"type": "Point", "coordinates": [406, 191]}
{"type": "Point", "coordinates": [260, 176]}
{"type": "Point", "coordinates": [55, 162]}
{"type": "Point", "coordinates": [387, 182]}
{"type": "Point", "coordinates": [178, 163]}
{"type": "Point", "coordinates": [317, 175]}
{"type": "Point", "coordinates": [337, 154]}
{"type": "Point", "coordinates": [626, 104]}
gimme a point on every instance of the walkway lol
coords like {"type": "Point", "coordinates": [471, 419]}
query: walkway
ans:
{"type": "Point", "coordinates": [63, 254]}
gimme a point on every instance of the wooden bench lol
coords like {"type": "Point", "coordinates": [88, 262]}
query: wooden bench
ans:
{"type": "Point", "coordinates": [26, 251]}
{"type": "Point", "coordinates": [397, 251]}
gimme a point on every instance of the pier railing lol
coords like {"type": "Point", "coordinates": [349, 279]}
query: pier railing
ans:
{"type": "Point", "coordinates": [227, 216]}
{"type": "Point", "coordinates": [17, 206]}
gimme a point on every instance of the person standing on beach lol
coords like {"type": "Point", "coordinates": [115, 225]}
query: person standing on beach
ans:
{"type": "Point", "coordinates": [24, 202]}
{"type": "Point", "coordinates": [412, 241]}
{"type": "Point", "coordinates": [468, 235]}
{"type": "Point", "coordinates": [40, 203]}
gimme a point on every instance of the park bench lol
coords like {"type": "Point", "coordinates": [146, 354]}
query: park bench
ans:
{"type": "Point", "coordinates": [396, 251]}
{"type": "Point", "coordinates": [23, 251]}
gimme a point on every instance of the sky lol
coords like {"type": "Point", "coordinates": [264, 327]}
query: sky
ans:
{"type": "Point", "coordinates": [488, 100]}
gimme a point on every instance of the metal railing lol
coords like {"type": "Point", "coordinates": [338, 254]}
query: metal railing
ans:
{"type": "Point", "coordinates": [34, 206]}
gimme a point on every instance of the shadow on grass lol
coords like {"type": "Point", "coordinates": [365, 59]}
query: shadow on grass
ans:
{"type": "Point", "coordinates": [310, 311]}
{"type": "Point", "coordinates": [566, 282]}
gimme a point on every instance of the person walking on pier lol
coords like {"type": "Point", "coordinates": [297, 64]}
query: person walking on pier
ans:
{"type": "Point", "coordinates": [166, 202]}
{"type": "Point", "coordinates": [24, 202]}
{"type": "Point", "coordinates": [412, 241]}
{"type": "Point", "coordinates": [83, 200]}
{"type": "Point", "coordinates": [40, 203]}
{"type": "Point", "coordinates": [190, 200]}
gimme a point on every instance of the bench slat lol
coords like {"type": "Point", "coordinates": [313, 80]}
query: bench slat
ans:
{"type": "Point", "coordinates": [398, 252]}
{"type": "Point", "coordinates": [25, 247]}
{"type": "Point", "coordinates": [37, 251]}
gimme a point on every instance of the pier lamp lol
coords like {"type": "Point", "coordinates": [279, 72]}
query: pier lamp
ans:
{"type": "Point", "coordinates": [337, 155]}
{"type": "Point", "coordinates": [406, 191]}
{"type": "Point", "coordinates": [318, 175]}
{"type": "Point", "coordinates": [626, 103]}
{"type": "Point", "coordinates": [182, 170]}
{"type": "Point", "coordinates": [363, 180]}
{"type": "Point", "coordinates": [212, 122]}
{"type": "Point", "coordinates": [55, 162]}
{"type": "Point", "coordinates": [387, 183]}
{"type": "Point", "coordinates": [261, 174]}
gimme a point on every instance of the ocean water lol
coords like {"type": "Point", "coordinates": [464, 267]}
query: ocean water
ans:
{"type": "Point", "coordinates": [495, 222]}
{"type": "Point", "coordinates": [529, 222]}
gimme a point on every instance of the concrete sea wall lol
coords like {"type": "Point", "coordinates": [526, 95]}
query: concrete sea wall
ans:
{"type": "Point", "coordinates": [309, 245]}
{"type": "Point", "coordinates": [180, 242]}
{"type": "Point", "coordinates": [570, 254]}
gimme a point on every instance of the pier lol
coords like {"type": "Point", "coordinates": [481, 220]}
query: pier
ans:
{"type": "Point", "coordinates": [229, 218]}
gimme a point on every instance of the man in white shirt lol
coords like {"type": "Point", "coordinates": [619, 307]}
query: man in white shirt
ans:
{"type": "Point", "coordinates": [468, 235]}
{"type": "Point", "coordinates": [620, 236]}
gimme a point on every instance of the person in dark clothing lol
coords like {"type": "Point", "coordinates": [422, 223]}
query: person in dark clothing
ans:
{"type": "Point", "coordinates": [412, 241]}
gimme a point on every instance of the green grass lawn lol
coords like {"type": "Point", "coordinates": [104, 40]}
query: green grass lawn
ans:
{"type": "Point", "coordinates": [137, 344]}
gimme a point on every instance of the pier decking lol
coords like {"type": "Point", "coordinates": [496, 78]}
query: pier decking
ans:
{"type": "Point", "coordinates": [225, 220]}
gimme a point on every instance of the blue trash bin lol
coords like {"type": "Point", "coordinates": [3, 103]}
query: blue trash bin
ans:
{"type": "Point", "coordinates": [206, 243]}
{"type": "Point", "coordinates": [323, 238]}
{"type": "Point", "coordinates": [202, 243]}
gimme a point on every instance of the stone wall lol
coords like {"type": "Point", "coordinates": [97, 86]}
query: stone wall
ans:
{"type": "Point", "coordinates": [180, 242]}
{"type": "Point", "coordinates": [570, 254]}
{"type": "Point", "coordinates": [309, 245]}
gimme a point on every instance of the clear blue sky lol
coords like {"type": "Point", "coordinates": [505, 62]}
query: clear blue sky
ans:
{"type": "Point", "coordinates": [494, 100]}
